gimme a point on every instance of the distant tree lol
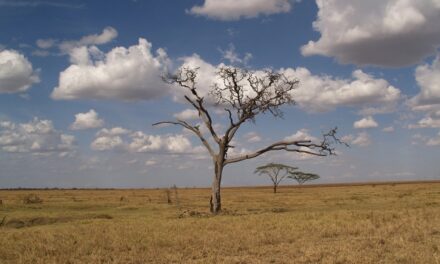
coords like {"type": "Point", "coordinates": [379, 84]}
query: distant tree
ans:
{"type": "Point", "coordinates": [243, 95]}
{"type": "Point", "coordinates": [302, 177]}
{"type": "Point", "coordinates": [276, 173]}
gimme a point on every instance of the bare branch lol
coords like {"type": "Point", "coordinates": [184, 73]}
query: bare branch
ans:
{"type": "Point", "coordinates": [322, 149]}
{"type": "Point", "coordinates": [186, 78]}
{"type": "Point", "coordinates": [194, 129]}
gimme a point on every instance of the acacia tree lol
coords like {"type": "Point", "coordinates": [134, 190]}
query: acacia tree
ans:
{"type": "Point", "coordinates": [302, 177]}
{"type": "Point", "coordinates": [276, 172]}
{"type": "Point", "coordinates": [244, 95]}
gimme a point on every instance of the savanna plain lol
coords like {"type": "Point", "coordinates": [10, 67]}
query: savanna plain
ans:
{"type": "Point", "coordinates": [369, 223]}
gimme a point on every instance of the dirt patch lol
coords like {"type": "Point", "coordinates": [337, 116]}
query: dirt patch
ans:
{"type": "Point", "coordinates": [37, 221]}
{"type": "Point", "coordinates": [103, 216]}
{"type": "Point", "coordinates": [190, 213]}
{"type": "Point", "coordinates": [279, 210]}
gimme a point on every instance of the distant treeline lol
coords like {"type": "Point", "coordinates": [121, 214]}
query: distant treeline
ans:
{"type": "Point", "coordinates": [260, 186]}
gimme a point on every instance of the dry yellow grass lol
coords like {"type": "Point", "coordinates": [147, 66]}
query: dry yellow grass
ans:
{"type": "Point", "coordinates": [347, 224]}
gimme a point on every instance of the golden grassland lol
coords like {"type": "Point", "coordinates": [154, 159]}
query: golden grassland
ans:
{"type": "Point", "coordinates": [375, 223]}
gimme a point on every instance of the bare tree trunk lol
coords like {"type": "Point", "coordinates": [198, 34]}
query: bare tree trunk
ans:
{"type": "Point", "coordinates": [215, 203]}
{"type": "Point", "coordinates": [274, 188]}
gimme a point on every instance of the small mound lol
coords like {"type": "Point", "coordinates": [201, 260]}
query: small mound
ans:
{"type": "Point", "coordinates": [279, 210]}
{"type": "Point", "coordinates": [32, 199]}
{"type": "Point", "coordinates": [15, 223]}
{"type": "Point", "coordinates": [103, 216]}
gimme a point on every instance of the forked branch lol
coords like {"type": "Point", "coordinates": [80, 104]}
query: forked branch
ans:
{"type": "Point", "coordinates": [324, 148]}
{"type": "Point", "coordinates": [186, 78]}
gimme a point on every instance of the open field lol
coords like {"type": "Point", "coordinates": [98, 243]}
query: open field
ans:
{"type": "Point", "coordinates": [389, 223]}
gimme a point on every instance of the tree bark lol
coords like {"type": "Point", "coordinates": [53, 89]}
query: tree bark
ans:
{"type": "Point", "coordinates": [274, 189]}
{"type": "Point", "coordinates": [215, 203]}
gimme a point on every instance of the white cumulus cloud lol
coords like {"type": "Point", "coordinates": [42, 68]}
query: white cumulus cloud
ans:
{"type": "Point", "coordinates": [376, 32]}
{"type": "Point", "coordinates": [428, 79]}
{"type": "Point", "coordinates": [426, 122]}
{"type": "Point", "coordinates": [235, 10]}
{"type": "Point", "coordinates": [132, 73]}
{"type": "Point", "coordinates": [138, 142]}
{"type": "Point", "coordinates": [361, 139]}
{"type": "Point", "coordinates": [16, 72]}
{"type": "Point", "coordinates": [300, 135]}
{"type": "Point", "coordinates": [319, 93]}
{"type": "Point", "coordinates": [87, 120]}
{"type": "Point", "coordinates": [315, 93]}
{"type": "Point", "coordinates": [37, 136]}
{"type": "Point", "coordinates": [107, 139]}
{"type": "Point", "coordinates": [367, 122]}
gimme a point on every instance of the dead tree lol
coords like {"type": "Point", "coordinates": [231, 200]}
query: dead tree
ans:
{"type": "Point", "coordinates": [302, 177]}
{"type": "Point", "coordinates": [243, 95]}
{"type": "Point", "coordinates": [276, 173]}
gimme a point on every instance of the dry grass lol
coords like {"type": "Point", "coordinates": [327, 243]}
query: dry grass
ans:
{"type": "Point", "coordinates": [348, 224]}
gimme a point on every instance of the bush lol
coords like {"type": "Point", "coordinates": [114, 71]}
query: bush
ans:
{"type": "Point", "coordinates": [32, 199]}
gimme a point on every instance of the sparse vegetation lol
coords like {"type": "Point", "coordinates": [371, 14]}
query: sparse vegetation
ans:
{"type": "Point", "coordinates": [32, 198]}
{"type": "Point", "coordinates": [276, 173]}
{"type": "Point", "coordinates": [302, 177]}
{"type": "Point", "coordinates": [312, 224]}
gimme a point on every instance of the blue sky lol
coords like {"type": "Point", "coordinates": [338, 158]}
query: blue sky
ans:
{"type": "Point", "coordinates": [80, 87]}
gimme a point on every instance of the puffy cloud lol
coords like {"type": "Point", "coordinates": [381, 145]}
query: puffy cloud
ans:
{"type": "Point", "coordinates": [16, 72]}
{"type": "Point", "coordinates": [187, 114]}
{"type": "Point", "coordinates": [37, 136]}
{"type": "Point", "coordinates": [172, 144]}
{"type": "Point", "coordinates": [427, 122]}
{"type": "Point", "coordinates": [367, 122]}
{"type": "Point", "coordinates": [234, 10]}
{"type": "Point", "coordinates": [142, 142]}
{"type": "Point", "coordinates": [324, 93]}
{"type": "Point", "coordinates": [123, 73]}
{"type": "Point", "coordinates": [107, 139]}
{"type": "Point", "coordinates": [139, 142]}
{"type": "Point", "coordinates": [428, 100]}
{"type": "Point", "coordinates": [302, 134]}
{"type": "Point", "coordinates": [87, 120]}
{"type": "Point", "coordinates": [428, 79]}
{"type": "Point", "coordinates": [206, 75]}
{"type": "Point", "coordinates": [362, 139]}
{"type": "Point", "coordinates": [106, 143]}
{"type": "Point", "coordinates": [252, 137]}
{"type": "Point", "coordinates": [115, 131]}
{"type": "Point", "coordinates": [376, 32]}
{"type": "Point", "coordinates": [315, 93]}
